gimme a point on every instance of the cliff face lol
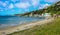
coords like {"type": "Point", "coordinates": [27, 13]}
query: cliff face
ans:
{"type": "Point", "coordinates": [55, 8]}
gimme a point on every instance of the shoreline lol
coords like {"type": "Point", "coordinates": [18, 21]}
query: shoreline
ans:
{"type": "Point", "coordinates": [24, 26]}
{"type": "Point", "coordinates": [24, 23]}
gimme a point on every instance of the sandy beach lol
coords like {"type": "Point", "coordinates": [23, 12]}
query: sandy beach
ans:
{"type": "Point", "coordinates": [24, 26]}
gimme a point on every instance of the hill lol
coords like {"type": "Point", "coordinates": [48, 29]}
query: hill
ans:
{"type": "Point", "coordinates": [53, 9]}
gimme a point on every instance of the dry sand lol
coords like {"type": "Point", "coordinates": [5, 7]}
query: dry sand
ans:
{"type": "Point", "coordinates": [24, 26]}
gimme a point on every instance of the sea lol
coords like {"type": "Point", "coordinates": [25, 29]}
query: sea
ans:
{"type": "Point", "coordinates": [8, 21]}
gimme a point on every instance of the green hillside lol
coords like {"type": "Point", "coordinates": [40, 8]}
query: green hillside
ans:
{"type": "Point", "coordinates": [53, 9]}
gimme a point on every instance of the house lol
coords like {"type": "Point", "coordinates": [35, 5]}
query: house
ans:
{"type": "Point", "coordinates": [46, 15]}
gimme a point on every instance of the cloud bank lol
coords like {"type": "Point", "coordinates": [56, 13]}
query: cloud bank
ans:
{"type": "Point", "coordinates": [24, 5]}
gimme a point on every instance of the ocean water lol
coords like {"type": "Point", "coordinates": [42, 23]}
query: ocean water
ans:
{"type": "Point", "coordinates": [6, 21]}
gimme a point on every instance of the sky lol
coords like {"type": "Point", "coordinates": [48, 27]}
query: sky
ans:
{"type": "Point", "coordinates": [11, 7]}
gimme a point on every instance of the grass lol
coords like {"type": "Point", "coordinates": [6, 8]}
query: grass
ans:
{"type": "Point", "coordinates": [52, 28]}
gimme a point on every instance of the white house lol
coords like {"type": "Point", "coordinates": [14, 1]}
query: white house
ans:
{"type": "Point", "coordinates": [46, 15]}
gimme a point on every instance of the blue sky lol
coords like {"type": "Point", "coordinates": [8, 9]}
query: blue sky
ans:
{"type": "Point", "coordinates": [8, 7]}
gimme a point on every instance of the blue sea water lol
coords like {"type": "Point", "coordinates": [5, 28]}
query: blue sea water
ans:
{"type": "Point", "coordinates": [6, 21]}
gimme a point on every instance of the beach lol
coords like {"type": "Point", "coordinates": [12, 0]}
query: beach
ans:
{"type": "Point", "coordinates": [24, 26]}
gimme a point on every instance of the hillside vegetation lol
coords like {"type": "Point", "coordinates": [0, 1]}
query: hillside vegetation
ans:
{"type": "Point", "coordinates": [53, 9]}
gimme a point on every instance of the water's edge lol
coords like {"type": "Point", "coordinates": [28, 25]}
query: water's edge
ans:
{"type": "Point", "coordinates": [14, 21]}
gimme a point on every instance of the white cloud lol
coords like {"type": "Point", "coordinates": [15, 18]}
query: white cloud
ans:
{"type": "Point", "coordinates": [35, 2]}
{"type": "Point", "coordinates": [11, 6]}
{"type": "Point", "coordinates": [3, 3]}
{"type": "Point", "coordinates": [40, 7]}
{"type": "Point", "coordinates": [22, 5]}
{"type": "Point", "coordinates": [52, 0]}
{"type": "Point", "coordinates": [44, 6]}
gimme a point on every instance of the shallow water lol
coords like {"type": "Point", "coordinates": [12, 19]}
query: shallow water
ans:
{"type": "Point", "coordinates": [6, 21]}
